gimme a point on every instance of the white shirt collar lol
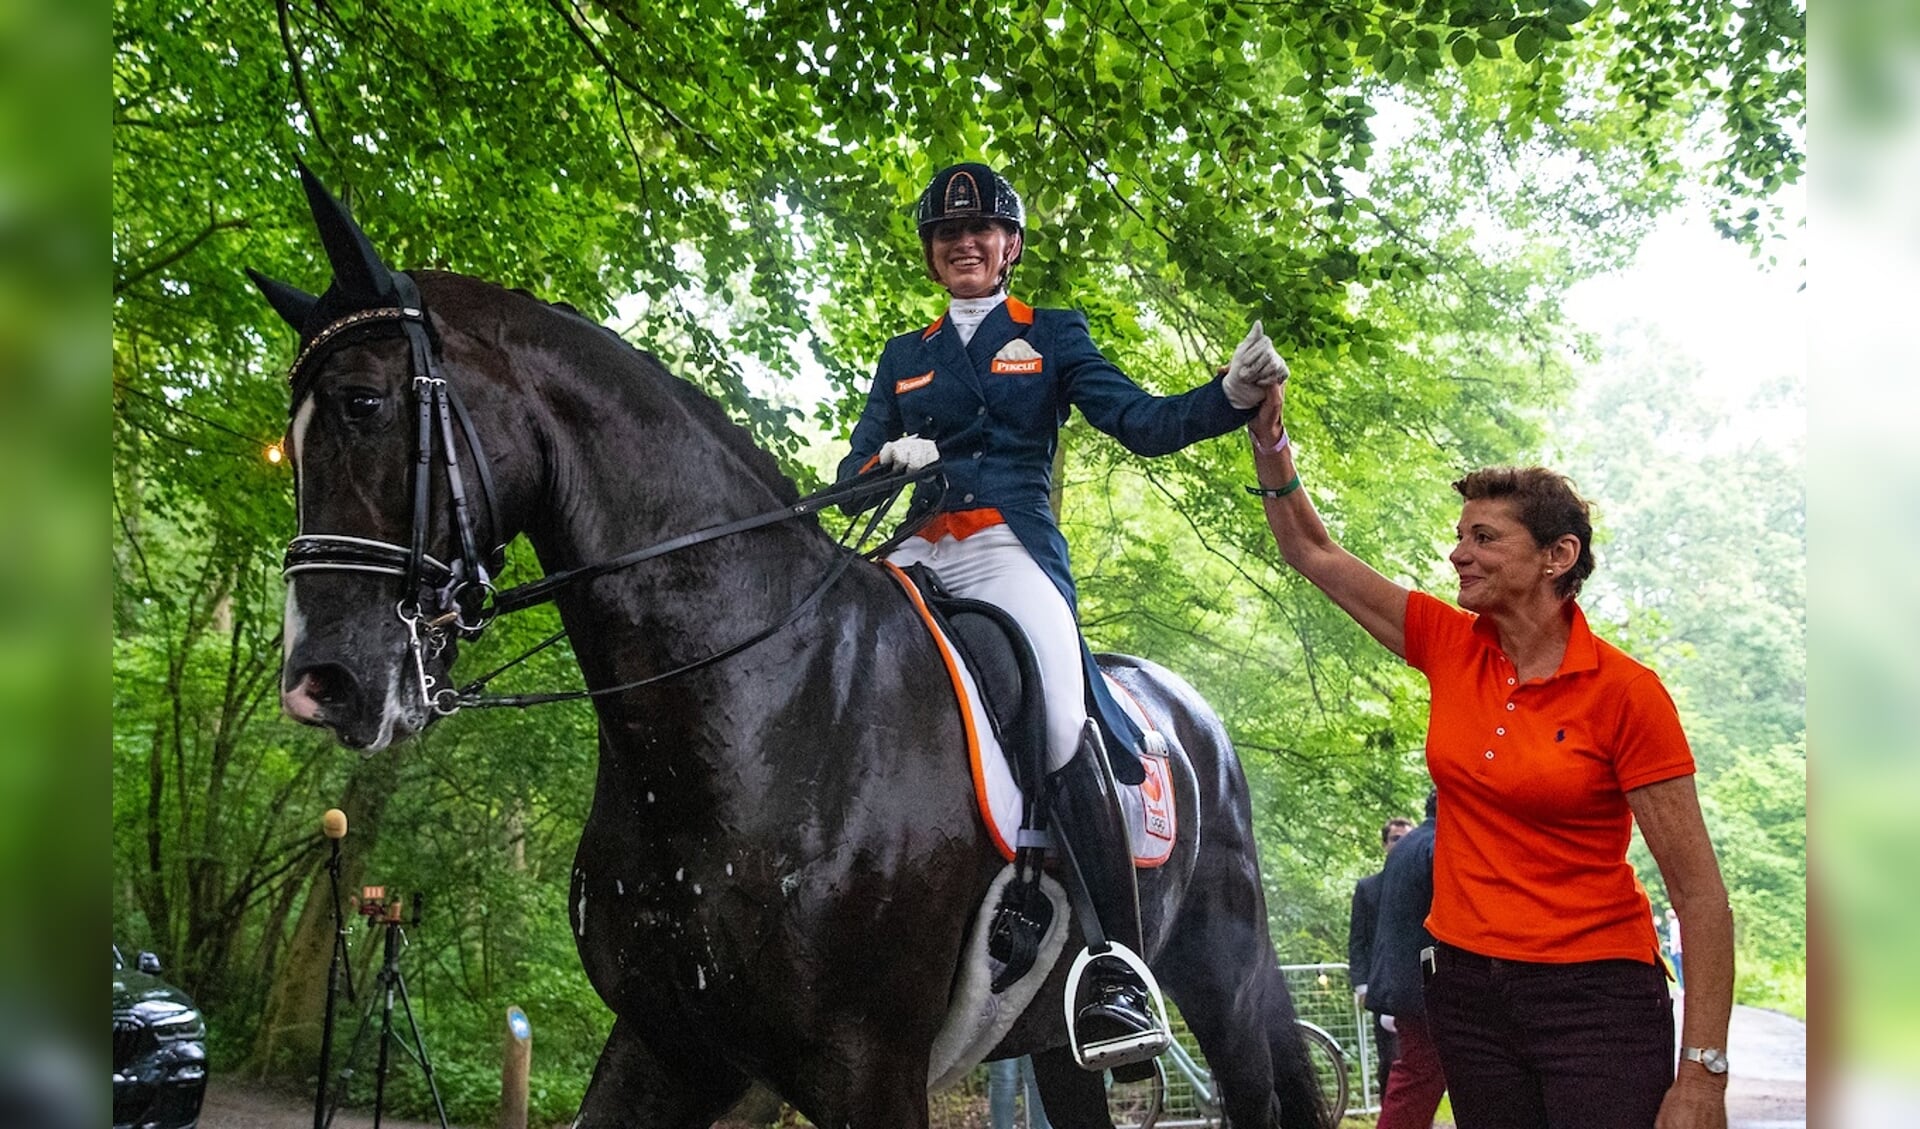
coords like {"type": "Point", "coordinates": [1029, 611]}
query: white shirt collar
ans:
{"type": "Point", "coordinates": [966, 314]}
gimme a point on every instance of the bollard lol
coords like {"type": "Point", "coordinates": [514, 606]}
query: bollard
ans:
{"type": "Point", "coordinates": [514, 1067]}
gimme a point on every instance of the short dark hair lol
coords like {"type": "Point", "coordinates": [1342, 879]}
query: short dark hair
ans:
{"type": "Point", "coordinates": [1548, 505]}
{"type": "Point", "coordinates": [1387, 827]}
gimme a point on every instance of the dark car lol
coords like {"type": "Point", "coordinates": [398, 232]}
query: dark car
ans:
{"type": "Point", "coordinates": [159, 1049]}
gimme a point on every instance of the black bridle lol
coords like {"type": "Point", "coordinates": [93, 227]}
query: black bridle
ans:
{"type": "Point", "coordinates": [440, 599]}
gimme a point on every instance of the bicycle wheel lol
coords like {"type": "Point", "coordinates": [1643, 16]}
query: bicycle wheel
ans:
{"type": "Point", "coordinates": [1330, 1067]}
{"type": "Point", "coordinates": [1136, 1105]}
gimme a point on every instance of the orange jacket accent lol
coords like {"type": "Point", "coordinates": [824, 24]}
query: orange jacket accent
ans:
{"type": "Point", "coordinates": [961, 524]}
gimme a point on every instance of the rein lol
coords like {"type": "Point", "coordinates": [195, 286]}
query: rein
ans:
{"type": "Point", "coordinates": [461, 595]}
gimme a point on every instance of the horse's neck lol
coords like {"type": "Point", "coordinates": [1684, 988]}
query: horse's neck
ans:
{"type": "Point", "coordinates": [643, 466]}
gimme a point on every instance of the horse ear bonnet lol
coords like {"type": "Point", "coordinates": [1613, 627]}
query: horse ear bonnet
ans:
{"type": "Point", "coordinates": [293, 304]}
{"type": "Point", "coordinates": [360, 280]}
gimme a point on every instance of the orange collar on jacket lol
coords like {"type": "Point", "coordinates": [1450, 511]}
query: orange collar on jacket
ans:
{"type": "Point", "coordinates": [1020, 312]}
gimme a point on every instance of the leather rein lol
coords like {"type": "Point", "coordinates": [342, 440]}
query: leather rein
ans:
{"type": "Point", "coordinates": [440, 600]}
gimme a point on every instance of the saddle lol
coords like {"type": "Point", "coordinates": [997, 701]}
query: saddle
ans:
{"type": "Point", "coordinates": [998, 660]}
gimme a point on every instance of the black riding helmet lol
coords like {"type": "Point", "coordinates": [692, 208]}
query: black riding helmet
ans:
{"type": "Point", "coordinates": [966, 190]}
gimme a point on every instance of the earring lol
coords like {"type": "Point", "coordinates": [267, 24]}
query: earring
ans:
{"type": "Point", "coordinates": [1549, 572]}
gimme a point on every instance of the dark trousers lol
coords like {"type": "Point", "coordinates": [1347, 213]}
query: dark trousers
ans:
{"type": "Point", "coordinates": [1551, 1046]}
{"type": "Point", "coordinates": [1418, 1082]}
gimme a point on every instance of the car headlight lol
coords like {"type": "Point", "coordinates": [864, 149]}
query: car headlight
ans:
{"type": "Point", "coordinates": [184, 1026]}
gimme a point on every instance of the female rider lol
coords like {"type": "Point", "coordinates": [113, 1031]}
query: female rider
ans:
{"type": "Point", "coordinates": [985, 389]}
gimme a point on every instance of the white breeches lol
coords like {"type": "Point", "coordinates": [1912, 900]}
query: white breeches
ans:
{"type": "Point", "coordinates": [994, 567]}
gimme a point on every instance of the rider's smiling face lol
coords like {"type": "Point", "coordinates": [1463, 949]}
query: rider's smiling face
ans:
{"type": "Point", "coordinates": [969, 255]}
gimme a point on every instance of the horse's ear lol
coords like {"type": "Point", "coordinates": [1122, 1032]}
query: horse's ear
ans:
{"type": "Point", "coordinates": [358, 274]}
{"type": "Point", "coordinates": [293, 304]}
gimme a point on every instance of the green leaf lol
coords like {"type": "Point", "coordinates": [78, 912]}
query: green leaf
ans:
{"type": "Point", "coordinates": [1526, 44]}
{"type": "Point", "coordinates": [1490, 48]}
{"type": "Point", "coordinates": [1463, 50]}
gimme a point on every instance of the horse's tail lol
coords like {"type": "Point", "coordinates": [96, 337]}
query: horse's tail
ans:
{"type": "Point", "coordinates": [1295, 1084]}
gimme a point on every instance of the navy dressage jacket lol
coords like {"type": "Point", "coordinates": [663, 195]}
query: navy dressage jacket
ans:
{"type": "Point", "coordinates": [995, 405]}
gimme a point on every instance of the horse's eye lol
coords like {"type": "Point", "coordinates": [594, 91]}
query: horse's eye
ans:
{"type": "Point", "coordinates": [360, 403]}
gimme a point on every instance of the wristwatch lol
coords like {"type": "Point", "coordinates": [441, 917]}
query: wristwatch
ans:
{"type": "Point", "coordinates": [1713, 1058]}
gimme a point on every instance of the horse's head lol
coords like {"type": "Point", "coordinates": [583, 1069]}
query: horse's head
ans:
{"type": "Point", "coordinates": [394, 504]}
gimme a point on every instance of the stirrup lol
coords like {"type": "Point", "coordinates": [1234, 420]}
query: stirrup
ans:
{"type": "Point", "coordinates": [1108, 1053]}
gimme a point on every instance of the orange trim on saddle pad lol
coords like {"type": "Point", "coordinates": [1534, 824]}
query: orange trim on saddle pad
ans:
{"type": "Point", "coordinates": [966, 710]}
{"type": "Point", "coordinates": [1148, 808]}
{"type": "Point", "coordinates": [961, 524]}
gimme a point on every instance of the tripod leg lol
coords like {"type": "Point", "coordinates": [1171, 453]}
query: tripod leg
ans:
{"type": "Point", "coordinates": [419, 1048]}
{"type": "Point", "coordinates": [339, 1094]}
{"type": "Point", "coordinates": [389, 973]}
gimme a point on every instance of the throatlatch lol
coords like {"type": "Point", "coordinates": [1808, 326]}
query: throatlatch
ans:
{"type": "Point", "coordinates": [1115, 1014]}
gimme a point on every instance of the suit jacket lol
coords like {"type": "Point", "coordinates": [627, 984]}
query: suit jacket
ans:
{"type": "Point", "coordinates": [1362, 924]}
{"type": "Point", "coordinates": [1395, 984]}
{"type": "Point", "coordinates": [994, 406]}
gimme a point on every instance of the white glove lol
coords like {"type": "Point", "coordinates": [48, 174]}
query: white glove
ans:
{"type": "Point", "coordinates": [1255, 367]}
{"type": "Point", "coordinates": [1386, 1021]}
{"type": "Point", "coordinates": [908, 453]}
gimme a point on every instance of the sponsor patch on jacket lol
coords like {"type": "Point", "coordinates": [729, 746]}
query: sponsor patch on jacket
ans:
{"type": "Point", "coordinates": [1017, 357]}
{"type": "Point", "coordinates": [913, 382]}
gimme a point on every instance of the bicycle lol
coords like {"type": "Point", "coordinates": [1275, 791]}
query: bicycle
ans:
{"type": "Point", "coordinates": [1139, 1105]}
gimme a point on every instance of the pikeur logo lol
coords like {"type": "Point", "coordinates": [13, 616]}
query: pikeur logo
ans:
{"type": "Point", "coordinates": [1017, 358]}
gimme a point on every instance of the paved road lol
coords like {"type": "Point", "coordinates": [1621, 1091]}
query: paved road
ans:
{"type": "Point", "coordinates": [1768, 1088]}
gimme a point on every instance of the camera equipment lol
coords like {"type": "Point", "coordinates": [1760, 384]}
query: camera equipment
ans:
{"type": "Point", "coordinates": [386, 913]}
{"type": "Point", "coordinates": [334, 826]}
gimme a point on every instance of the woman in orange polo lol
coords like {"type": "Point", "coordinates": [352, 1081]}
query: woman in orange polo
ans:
{"type": "Point", "coordinates": [1546, 996]}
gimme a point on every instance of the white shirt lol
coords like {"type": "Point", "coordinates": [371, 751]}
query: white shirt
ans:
{"type": "Point", "coordinates": [966, 314]}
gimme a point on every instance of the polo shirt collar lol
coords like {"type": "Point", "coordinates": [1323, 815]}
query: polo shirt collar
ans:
{"type": "Point", "coordinates": [1582, 654]}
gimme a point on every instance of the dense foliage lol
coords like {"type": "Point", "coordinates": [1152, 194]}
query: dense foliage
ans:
{"type": "Point", "coordinates": [1402, 190]}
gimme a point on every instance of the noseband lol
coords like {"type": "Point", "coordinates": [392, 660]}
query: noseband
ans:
{"type": "Point", "coordinates": [440, 599]}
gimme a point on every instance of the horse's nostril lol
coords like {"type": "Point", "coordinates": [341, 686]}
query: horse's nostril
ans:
{"type": "Point", "coordinates": [328, 684]}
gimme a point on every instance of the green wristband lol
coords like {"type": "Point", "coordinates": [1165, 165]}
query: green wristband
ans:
{"type": "Point", "coordinates": [1276, 491]}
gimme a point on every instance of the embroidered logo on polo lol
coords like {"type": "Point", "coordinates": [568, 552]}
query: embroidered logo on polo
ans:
{"type": "Point", "coordinates": [913, 382]}
{"type": "Point", "coordinates": [1017, 358]}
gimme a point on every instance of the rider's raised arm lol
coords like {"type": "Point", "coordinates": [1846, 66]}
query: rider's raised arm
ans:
{"type": "Point", "coordinates": [1374, 602]}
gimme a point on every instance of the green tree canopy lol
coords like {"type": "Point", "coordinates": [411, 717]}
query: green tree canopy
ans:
{"type": "Point", "coordinates": [1402, 190]}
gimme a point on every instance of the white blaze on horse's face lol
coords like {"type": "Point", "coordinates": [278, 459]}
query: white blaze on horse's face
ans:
{"type": "Point", "coordinates": [295, 623]}
{"type": "Point", "coordinates": [347, 663]}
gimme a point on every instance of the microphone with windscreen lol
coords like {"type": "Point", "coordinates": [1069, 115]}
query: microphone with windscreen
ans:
{"type": "Point", "coordinates": [334, 824]}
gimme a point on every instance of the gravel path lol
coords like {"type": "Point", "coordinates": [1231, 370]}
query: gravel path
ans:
{"type": "Point", "coordinates": [1768, 1089]}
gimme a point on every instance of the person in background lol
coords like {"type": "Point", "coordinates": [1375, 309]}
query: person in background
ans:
{"type": "Point", "coordinates": [1361, 924]}
{"type": "Point", "coordinates": [1396, 990]}
{"type": "Point", "coordinates": [1546, 999]}
{"type": "Point", "coordinates": [984, 390]}
{"type": "Point", "coordinates": [1006, 1079]}
{"type": "Point", "coordinates": [1673, 950]}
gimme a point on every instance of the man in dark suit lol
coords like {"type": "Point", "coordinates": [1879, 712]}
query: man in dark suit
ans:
{"type": "Point", "coordinates": [1395, 982]}
{"type": "Point", "coordinates": [1361, 927]}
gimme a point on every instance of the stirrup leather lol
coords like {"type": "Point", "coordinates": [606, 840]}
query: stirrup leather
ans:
{"type": "Point", "coordinates": [1122, 1050]}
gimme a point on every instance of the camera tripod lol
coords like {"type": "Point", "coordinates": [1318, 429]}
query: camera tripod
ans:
{"type": "Point", "coordinates": [386, 984]}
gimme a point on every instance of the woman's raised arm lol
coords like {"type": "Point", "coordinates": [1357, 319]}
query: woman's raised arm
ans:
{"type": "Point", "coordinates": [1374, 602]}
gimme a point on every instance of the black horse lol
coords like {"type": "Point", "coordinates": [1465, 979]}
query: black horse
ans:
{"type": "Point", "coordinates": [783, 853]}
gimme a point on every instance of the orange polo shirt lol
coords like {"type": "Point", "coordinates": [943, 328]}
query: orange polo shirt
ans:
{"type": "Point", "coordinates": [1530, 848]}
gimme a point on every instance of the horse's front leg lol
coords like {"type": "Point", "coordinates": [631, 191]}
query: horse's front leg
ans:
{"type": "Point", "coordinates": [1073, 1098]}
{"type": "Point", "coordinates": [633, 1085]}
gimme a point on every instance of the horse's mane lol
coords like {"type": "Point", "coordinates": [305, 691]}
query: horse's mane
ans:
{"type": "Point", "coordinates": [702, 406]}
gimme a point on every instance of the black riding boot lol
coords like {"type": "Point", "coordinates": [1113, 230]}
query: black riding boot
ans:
{"type": "Point", "coordinates": [1118, 1024]}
